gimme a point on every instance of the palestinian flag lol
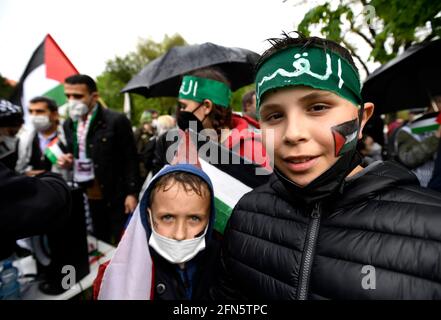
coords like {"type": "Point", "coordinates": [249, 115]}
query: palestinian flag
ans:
{"type": "Point", "coordinates": [44, 75]}
{"type": "Point", "coordinates": [345, 136]}
{"type": "Point", "coordinates": [426, 123]}
{"type": "Point", "coordinates": [53, 151]}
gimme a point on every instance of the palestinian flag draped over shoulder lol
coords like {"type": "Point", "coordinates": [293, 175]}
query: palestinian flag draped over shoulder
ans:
{"type": "Point", "coordinates": [44, 75]}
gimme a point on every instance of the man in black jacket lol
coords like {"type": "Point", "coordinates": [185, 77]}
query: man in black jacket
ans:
{"type": "Point", "coordinates": [30, 206]}
{"type": "Point", "coordinates": [323, 227]}
{"type": "Point", "coordinates": [103, 156]}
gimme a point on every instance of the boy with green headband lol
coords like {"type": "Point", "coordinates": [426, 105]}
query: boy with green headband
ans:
{"type": "Point", "coordinates": [324, 227]}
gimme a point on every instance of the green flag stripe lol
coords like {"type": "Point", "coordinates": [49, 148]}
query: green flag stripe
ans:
{"type": "Point", "coordinates": [432, 127]}
{"type": "Point", "coordinates": [52, 157]}
{"type": "Point", "coordinates": [57, 94]}
{"type": "Point", "coordinates": [223, 213]}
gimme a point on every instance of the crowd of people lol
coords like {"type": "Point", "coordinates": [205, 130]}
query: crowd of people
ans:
{"type": "Point", "coordinates": [332, 205]}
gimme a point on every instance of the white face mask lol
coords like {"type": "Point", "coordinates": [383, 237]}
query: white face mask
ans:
{"type": "Point", "coordinates": [176, 251]}
{"type": "Point", "coordinates": [40, 122]}
{"type": "Point", "coordinates": [77, 109]}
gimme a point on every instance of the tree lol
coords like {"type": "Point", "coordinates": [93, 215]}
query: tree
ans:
{"type": "Point", "coordinates": [386, 26]}
{"type": "Point", "coordinates": [236, 97]}
{"type": "Point", "coordinates": [5, 88]}
{"type": "Point", "coordinates": [120, 70]}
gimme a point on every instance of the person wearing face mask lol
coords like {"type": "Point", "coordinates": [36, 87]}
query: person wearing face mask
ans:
{"type": "Point", "coordinates": [11, 120]}
{"type": "Point", "coordinates": [167, 251]}
{"type": "Point", "coordinates": [204, 106]}
{"type": "Point", "coordinates": [102, 154]}
{"type": "Point", "coordinates": [40, 147]}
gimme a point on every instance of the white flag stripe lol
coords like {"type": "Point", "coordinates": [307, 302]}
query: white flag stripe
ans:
{"type": "Point", "coordinates": [226, 188]}
{"type": "Point", "coordinates": [56, 150]}
{"type": "Point", "coordinates": [131, 262]}
{"type": "Point", "coordinates": [424, 123]}
{"type": "Point", "coordinates": [351, 137]}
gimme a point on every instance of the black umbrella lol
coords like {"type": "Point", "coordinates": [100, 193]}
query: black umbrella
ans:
{"type": "Point", "coordinates": [161, 77]}
{"type": "Point", "coordinates": [408, 81]}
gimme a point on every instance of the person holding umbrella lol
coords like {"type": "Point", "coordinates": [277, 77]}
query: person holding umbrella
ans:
{"type": "Point", "coordinates": [203, 99]}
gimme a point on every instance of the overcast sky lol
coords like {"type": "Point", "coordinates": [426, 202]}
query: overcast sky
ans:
{"type": "Point", "coordinates": [90, 32]}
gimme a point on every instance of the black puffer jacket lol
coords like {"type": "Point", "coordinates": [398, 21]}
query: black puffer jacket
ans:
{"type": "Point", "coordinates": [277, 248]}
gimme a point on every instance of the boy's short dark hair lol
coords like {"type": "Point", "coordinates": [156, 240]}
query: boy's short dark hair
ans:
{"type": "Point", "coordinates": [188, 181]}
{"type": "Point", "coordinates": [51, 104]}
{"type": "Point", "coordinates": [286, 41]}
{"type": "Point", "coordinates": [82, 79]}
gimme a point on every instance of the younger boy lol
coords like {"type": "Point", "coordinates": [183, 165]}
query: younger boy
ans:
{"type": "Point", "coordinates": [167, 252]}
{"type": "Point", "coordinates": [324, 227]}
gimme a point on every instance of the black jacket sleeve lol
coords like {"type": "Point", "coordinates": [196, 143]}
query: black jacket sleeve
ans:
{"type": "Point", "coordinates": [31, 205]}
{"type": "Point", "coordinates": [127, 147]}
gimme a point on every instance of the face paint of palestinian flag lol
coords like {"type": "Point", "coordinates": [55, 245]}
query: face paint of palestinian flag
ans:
{"type": "Point", "coordinates": [345, 136]}
{"type": "Point", "coordinates": [44, 75]}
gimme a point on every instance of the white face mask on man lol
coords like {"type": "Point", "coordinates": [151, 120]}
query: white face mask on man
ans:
{"type": "Point", "coordinates": [176, 251]}
{"type": "Point", "coordinates": [40, 122]}
{"type": "Point", "coordinates": [77, 109]}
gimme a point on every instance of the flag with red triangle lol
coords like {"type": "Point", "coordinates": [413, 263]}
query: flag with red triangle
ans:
{"type": "Point", "coordinates": [345, 136]}
{"type": "Point", "coordinates": [44, 75]}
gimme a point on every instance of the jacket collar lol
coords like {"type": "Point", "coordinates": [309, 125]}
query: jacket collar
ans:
{"type": "Point", "coordinates": [325, 187]}
{"type": "Point", "coordinates": [378, 177]}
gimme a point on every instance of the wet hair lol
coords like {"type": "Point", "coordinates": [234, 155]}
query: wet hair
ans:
{"type": "Point", "coordinates": [188, 181]}
{"type": "Point", "coordinates": [247, 98]}
{"type": "Point", "coordinates": [220, 117]}
{"type": "Point", "coordinates": [286, 41]}
{"type": "Point", "coordinates": [82, 79]}
{"type": "Point", "coordinates": [51, 104]}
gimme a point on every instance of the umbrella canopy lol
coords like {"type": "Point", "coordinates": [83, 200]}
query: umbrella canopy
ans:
{"type": "Point", "coordinates": [408, 81]}
{"type": "Point", "coordinates": [161, 77]}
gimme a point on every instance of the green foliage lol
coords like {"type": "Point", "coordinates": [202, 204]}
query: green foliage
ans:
{"type": "Point", "coordinates": [5, 88]}
{"type": "Point", "coordinates": [120, 70]}
{"type": "Point", "coordinates": [387, 26]}
{"type": "Point", "coordinates": [236, 97]}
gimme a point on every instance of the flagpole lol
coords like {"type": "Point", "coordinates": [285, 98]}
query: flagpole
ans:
{"type": "Point", "coordinates": [127, 105]}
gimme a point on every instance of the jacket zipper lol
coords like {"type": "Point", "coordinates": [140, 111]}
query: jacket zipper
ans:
{"type": "Point", "coordinates": [308, 258]}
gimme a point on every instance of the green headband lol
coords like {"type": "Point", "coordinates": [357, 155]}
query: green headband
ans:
{"type": "Point", "coordinates": [313, 67]}
{"type": "Point", "coordinates": [199, 89]}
